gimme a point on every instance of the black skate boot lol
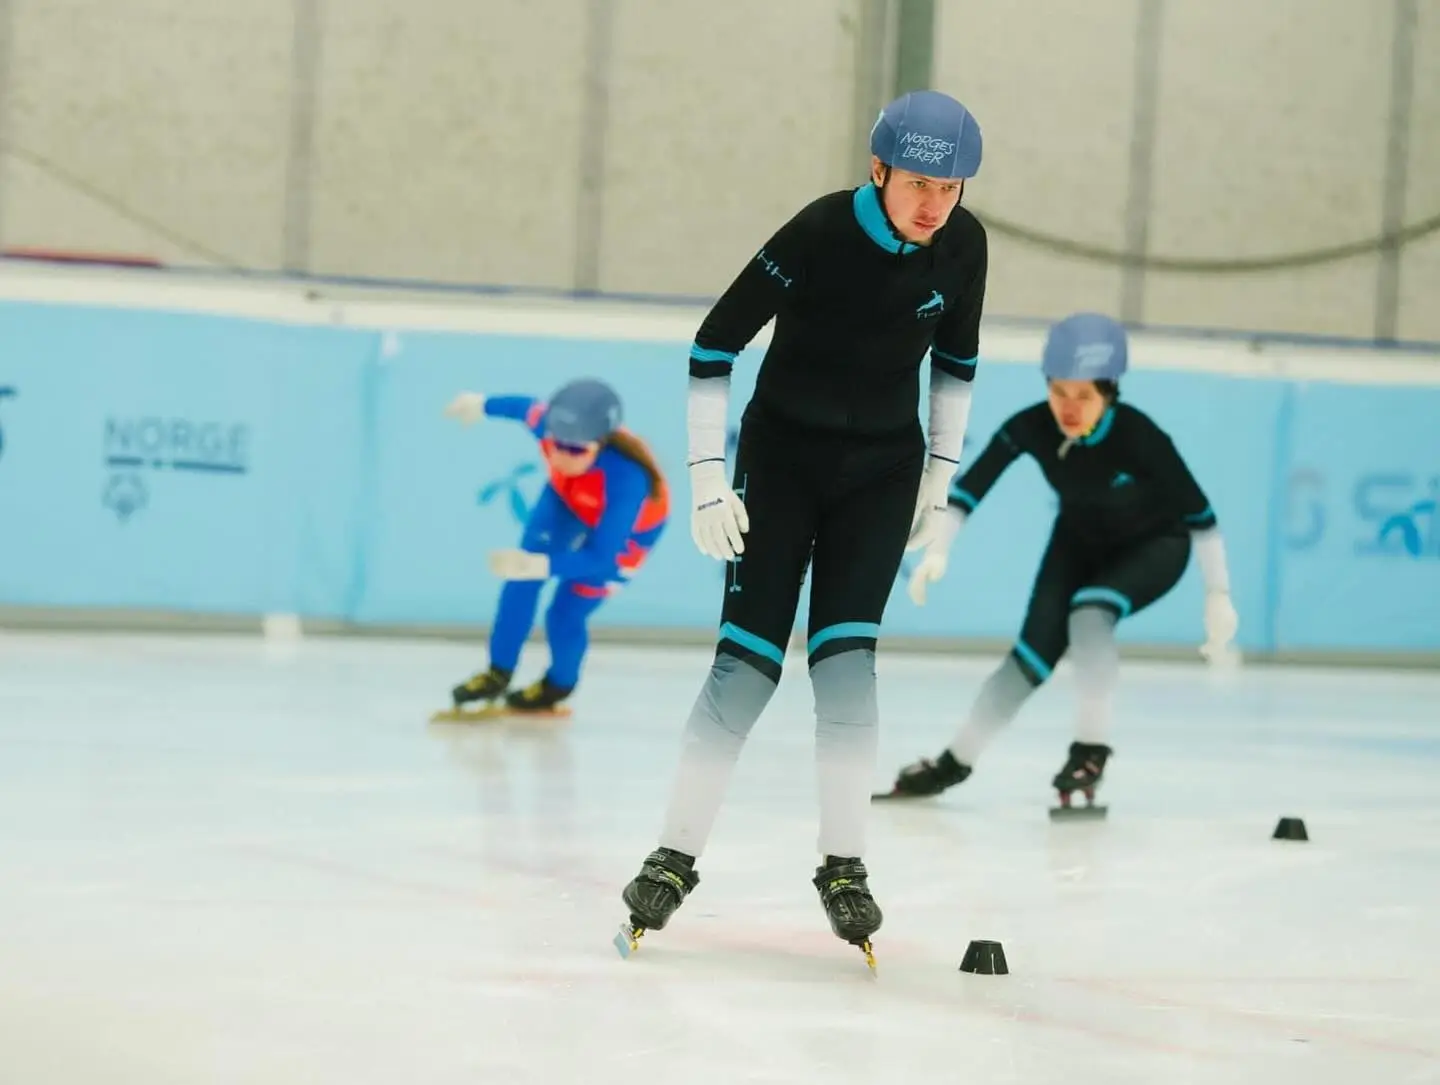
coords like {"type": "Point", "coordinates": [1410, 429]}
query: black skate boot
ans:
{"type": "Point", "coordinates": [665, 880]}
{"type": "Point", "coordinates": [482, 690]}
{"type": "Point", "coordinates": [926, 777]}
{"type": "Point", "coordinates": [1082, 772]}
{"type": "Point", "coordinates": [542, 698]}
{"type": "Point", "coordinates": [845, 893]}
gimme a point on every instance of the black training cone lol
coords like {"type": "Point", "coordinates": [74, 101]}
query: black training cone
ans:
{"type": "Point", "coordinates": [985, 959]}
{"type": "Point", "coordinates": [1291, 829]}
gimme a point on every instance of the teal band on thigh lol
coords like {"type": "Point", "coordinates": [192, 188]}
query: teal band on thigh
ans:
{"type": "Point", "coordinates": [1107, 597]}
{"type": "Point", "coordinates": [759, 645]}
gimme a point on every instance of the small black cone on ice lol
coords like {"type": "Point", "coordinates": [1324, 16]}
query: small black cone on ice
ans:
{"type": "Point", "coordinates": [985, 959]}
{"type": "Point", "coordinates": [1291, 829]}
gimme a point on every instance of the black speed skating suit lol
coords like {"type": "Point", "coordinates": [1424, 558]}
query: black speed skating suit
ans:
{"type": "Point", "coordinates": [1121, 541]}
{"type": "Point", "coordinates": [831, 448]}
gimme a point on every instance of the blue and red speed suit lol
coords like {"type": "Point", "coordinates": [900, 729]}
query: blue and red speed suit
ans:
{"type": "Point", "coordinates": [597, 529]}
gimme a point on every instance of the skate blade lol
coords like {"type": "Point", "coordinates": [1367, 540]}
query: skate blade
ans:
{"type": "Point", "coordinates": [866, 948]}
{"type": "Point", "coordinates": [897, 796]}
{"type": "Point", "coordinates": [498, 712]}
{"type": "Point", "coordinates": [1078, 813]}
{"type": "Point", "coordinates": [627, 940]}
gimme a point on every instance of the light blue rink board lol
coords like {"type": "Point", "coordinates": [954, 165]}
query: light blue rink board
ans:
{"type": "Point", "coordinates": [221, 465]}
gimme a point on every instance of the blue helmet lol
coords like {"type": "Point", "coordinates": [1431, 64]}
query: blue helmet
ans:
{"type": "Point", "coordinates": [929, 133]}
{"type": "Point", "coordinates": [581, 412]}
{"type": "Point", "coordinates": [1086, 347]}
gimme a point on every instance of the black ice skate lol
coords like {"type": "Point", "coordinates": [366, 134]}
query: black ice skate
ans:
{"type": "Point", "coordinates": [542, 698]}
{"type": "Point", "coordinates": [1083, 773]}
{"type": "Point", "coordinates": [925, 778]}
{"type": "Point", "coordinates": [478, 697]}
{"type": "Point", "coordinates": [665, 880]}
{"type": "Point", "coordinates": [845, 893]}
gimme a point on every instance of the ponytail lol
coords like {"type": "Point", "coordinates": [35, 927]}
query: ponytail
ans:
{"type": "Point", "coordinates": [632, 448]}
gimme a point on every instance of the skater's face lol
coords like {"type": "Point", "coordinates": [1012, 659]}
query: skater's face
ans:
{"type": "Point", "coordinates": [1077, 406]}
{"type": "Point", "coordinates": [571, 459]}
{"type": "Point", "coordinates": [917, 205]}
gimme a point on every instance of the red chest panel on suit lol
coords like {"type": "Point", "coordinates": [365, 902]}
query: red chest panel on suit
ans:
{"type": "Point", "coordinates": [584, 495]}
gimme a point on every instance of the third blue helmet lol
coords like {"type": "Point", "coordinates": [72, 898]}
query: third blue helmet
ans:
{"type": "Point", "coordinates": [929, 133]}
{"type": "Point", "coordinates": [1086, 347]}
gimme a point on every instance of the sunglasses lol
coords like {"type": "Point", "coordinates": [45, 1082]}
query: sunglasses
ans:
{"type": "Point", "coordinates": [570, 449]}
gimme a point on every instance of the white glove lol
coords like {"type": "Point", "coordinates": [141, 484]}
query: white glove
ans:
{"type": "Point", "coordinates": [519, 565]}
{"type": "Point", "coordinates": [930, 503]}
{"type": "Point", "coordinates": [718, 520]}
{"type": "Point", "coordinates": [468, 407]}
{"type": "Point", "coordinates": [1221, 625]}
{"type": "Point", "coordinates": [931, 568]}
{"type": "Point", "coordinates": [937, 555]}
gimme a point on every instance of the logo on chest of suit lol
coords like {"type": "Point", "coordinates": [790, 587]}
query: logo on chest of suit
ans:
{"type": "Point", "coordinates": [934, 307]}
{"type": "Point", "coordinates": [1121, 479]}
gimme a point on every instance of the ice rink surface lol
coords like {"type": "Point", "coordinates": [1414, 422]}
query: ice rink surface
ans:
{"type": "Point", "coordinates": [227, 861]}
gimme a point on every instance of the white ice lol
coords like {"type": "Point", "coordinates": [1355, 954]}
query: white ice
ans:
{"type": "Point", "coordinates": [222, 861]}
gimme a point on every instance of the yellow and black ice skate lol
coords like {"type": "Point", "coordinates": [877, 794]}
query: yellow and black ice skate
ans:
{"type": "Point", "coordinates": [844, 887]}
{"type": "Point", "coordinates": [479, 697]}
{"type": "Point", "coordinates": [666, 878]}
{"type": "Point", "coordinates": [542, 698]}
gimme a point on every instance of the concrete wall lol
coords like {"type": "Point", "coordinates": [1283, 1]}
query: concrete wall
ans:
{"type": "Point", "coordinates": [147, 126]}
{"type": "Point", "coordinates": [641, 146]}
{"type": "Point", "coordinates": [1271, 127]}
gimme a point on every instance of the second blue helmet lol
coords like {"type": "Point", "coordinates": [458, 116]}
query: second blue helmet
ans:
{"type": "Point", "coordinates": [582, 412]}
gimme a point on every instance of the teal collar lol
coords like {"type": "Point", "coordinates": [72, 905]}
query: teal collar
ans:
{"type": "Point", "coordinates": [876, 224]}
{"type": "Point", "coordinates": [1101, 430]}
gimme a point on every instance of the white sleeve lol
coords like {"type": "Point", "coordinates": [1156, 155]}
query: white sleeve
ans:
{"type": "Point", "coordinates": [706, 413]}
{"type": "Point", "coordinates": [1210, 556]}
{"type": "Point", "coordinates": [949, 414]}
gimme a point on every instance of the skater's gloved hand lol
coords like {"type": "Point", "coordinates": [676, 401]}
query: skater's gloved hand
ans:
{"type": "Point", "coordinates": [930, 503]}
{"type": "Point", "coordinates": [468, 407]}
{"type": "Point", "coordinates": [1221, 625]}
{"type": "Point", "coordinates": [519, 565]}
{"type": "Point", "coordinates": [718, 520]}
{"type": "Point", "coordinates": [937, 554]}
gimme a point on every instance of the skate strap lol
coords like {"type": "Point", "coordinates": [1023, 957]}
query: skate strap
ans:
{"type": "Point", "coordinates": [841, 878]}
{"type": "Point", "coordinates": [663, 870]}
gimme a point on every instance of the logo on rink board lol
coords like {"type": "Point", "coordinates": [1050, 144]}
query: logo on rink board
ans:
{"type": "Point", "coordinates": [142, 448]}
{"type": "Point", "coordinates": [507, 489]}
{"type": "Point", "coordinates": [1400, 510]}
{"type": "Point", "coordinates": [6, 392]}
{"type": "Point", "coordinates": [1396, 513]}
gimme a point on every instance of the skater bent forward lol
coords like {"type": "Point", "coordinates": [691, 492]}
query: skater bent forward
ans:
{"type": "Point", "coordinates": [1130, 513]}
{"type": "Point", "coordinates": [597, 520]}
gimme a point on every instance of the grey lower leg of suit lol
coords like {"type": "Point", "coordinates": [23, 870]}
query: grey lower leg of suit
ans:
{"type": "Point", "coordinates": [1097, 667]}
{"type": "Point", "coordinates": [847, 728]}
{"type": "Point", "coordinates": [731, 701]}
{"type": "Point", "coordinates": [999, 700]}
{"type": "Point", "coordinates": [1097, 671]}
